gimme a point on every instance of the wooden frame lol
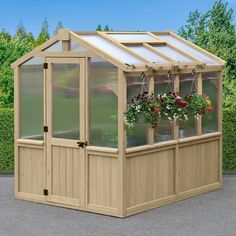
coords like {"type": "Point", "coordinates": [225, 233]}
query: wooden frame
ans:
{"type": "Point", "coordinates": [116, 181]}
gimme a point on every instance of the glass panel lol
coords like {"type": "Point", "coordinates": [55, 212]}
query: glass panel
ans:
{"type": "Point", "coordinates": [133, 37]}
{"type": "Point", "coordinates": [138, 135]}
{"type": "Point", "coordinates": [110, 49]}
{"type": "Point", "coordinates": [187, 85]}
{"type": "Point", "coordinates": [148, 54]}
{"type": "Point", "coordinates": [56, 47]}
{"type": "Point", "coordinates": [164, 130]}
{"type": "Point", "coordinates": [184, 47]}
{"type": "Point", "coordinates": [103, 108]}
{"type": "Point", "coordinates": [65, 100]}
{"type": "Point", "coordinates": [31, 99]}
{"type": "Point", "coordinates": [210, 89]}
{"type": "Point", "coordinates": [172, 54]}
{"type": "Point", "coordinates": [74, 46]}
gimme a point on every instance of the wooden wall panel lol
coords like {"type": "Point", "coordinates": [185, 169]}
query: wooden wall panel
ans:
{"type": "Point", "coordinates": [150, 177]}
{"type": "Point", "coordinates": [198, 165]}
{"type": "Point", "coordinates": [65, 177]}
{"type": "Point", "coordinates": [31, 170]}
{"type": "Point", "coordinates": [103, 181]}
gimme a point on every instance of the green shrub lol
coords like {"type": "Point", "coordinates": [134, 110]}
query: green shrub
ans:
{"type": "Point", "coordinates": [6, 139]}
{"type": "Point", "coordinates": [229, 140]}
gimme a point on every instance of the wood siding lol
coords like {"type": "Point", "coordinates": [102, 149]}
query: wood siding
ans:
{"type": "Point", "coordinates": [198, 165]}
{"type": "Point", "coordinates": [150, 177]}
{"type": "Point", "coordinates": [66, 174]}
{"type": "Point", "coordinates": [103, 181]}
{"type": "Point", "coordinates": [31, 170]}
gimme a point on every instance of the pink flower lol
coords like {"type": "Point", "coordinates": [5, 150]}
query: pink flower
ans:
{"type": "Point", "coordinates": [211, 108]}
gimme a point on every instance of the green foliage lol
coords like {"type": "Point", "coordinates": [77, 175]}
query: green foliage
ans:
{"type": "Point", "coordinates": [99, 28]}
{"type": "Point", "coordinates": [106, 28]}
{"type": "Point", "coordinates": [229, 140]}
{"type": "Point", "coordinates": [6, 139]}
{"type": "Point", "coordinates": [166, 106]}
{"type": "Point", "coordinates": [59, 26]}
{"type": "Point", "coordinates": [215, 31]}
{"type": "Point", "coordinates": [43, 34]}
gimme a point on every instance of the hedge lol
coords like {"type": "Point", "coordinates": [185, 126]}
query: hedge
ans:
{"type": "Point", "coordinates": [6, 139]}
{"type": "Point", "coordinates": [229, 140]}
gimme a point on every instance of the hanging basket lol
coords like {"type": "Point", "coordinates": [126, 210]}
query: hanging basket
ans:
{"type": "Point", "coordinates": [170, 106]}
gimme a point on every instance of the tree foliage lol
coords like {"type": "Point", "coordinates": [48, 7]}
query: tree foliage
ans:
{"type": "Point", "coordinates": [215, 32]}
{"type": "Point", "coordinates": [59, 26]}
{"type": "Point", "coordinates": [43, 34]}
{"type": "Point", "coordinates": [106, 28]}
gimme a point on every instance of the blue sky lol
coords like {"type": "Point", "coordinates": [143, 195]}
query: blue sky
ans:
{"type": "Point", "coordinates": [85, 15]}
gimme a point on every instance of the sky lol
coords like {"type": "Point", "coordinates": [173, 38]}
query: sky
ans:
{"type": "Point", "coordinates": [146, 15]}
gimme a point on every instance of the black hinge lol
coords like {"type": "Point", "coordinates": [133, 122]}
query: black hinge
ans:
{"type": "Point", "coordinates": [82, 144]}
{"type": "Point", "coordinates": [45, 192]}
{"type": "Point", "coordinates": [45, 66]}
{"type": "Point", "coordinates": [45, 129]}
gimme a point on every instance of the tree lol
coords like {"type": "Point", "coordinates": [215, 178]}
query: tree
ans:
{"type": "Point", "coordinates": [215, 32]}
{"type": "Point", "coordinates": [44, 34]}
{"type": "Point", "coordinates": [20, 30]}
{"type": "Point", "coordinates": [59, 26]}
{"type": "Point", "coordinates": [99, 28]}
{"type": "Point", "coordinates": [106, 28]}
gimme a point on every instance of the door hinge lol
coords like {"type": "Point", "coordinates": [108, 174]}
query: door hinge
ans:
{"type": "Point", "coordinates": [45, 192]}
{"type": "Point", "coordinates": [82, 144]}
{"type": "Point", "coordinates": [45, 129]}
{"type": "Point", "coordinates": [45, 65]}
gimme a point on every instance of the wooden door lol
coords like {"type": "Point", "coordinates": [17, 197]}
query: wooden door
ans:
{"type": "Point", "coordinates": [65, 105]}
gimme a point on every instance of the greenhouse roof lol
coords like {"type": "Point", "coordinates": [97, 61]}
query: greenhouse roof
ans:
{"type": "Point", "coordinates": [134, 50]}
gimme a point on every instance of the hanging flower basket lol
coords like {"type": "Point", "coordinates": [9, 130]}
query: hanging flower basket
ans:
{"type": "Point", "coordinates": [170, 106]}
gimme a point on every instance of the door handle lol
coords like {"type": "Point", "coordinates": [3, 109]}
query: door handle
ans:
{"type": "Point", "coordinates": [82, 144]}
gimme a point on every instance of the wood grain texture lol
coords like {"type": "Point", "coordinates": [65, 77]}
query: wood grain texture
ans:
{"type": "Point", "coordinates": [31, 170]}
{"type": "Point", "coordinates": [150, 177]}
{"type": "Point", "coordinates": [66, 169]}
{"type": "Point", "coordinates": [198, 165]}
{"type": "Point", "coordinates": [103, 181]}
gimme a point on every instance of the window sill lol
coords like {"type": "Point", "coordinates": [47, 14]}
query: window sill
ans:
{"type": "Point", "coordinates": [30, 142]}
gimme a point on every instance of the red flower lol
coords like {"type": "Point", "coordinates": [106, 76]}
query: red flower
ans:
{"type": "Point", "coordinates": [203, 108]}
{"type": "Point", "coordinates": [183, 104]}
{"type": "Point", "coordinates": [152, 106]}
{"type": "Point", "coordinates": [157, 110]}
{"type": "Point", "coordinates": [211, 108]}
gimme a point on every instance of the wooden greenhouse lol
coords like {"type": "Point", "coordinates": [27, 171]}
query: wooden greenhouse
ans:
{"type": "Point", "coordinates": [72, 148]}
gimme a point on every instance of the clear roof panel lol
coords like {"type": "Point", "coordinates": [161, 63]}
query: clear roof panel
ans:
{"type": "Point", "coordinates": [144, 52]}
{"type": "Point", "coordinates": [110, 49]}
{"type": "Point", "coordinates": [76, 47]}
{"type": "Point", "coordinates": [187, 49]}
{"type": "Point", "coordinates": [133, 37]}
{"type": "Point", "coordinates": [34, 61]}
{"type": "Point", "coordinates": [168, 51]}
{"type": "Point", "coordinates": [56, 47]}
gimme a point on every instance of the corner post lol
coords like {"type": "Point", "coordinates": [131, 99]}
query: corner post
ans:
{"type": "Point", "coordinates": [16, 127]}
{"type": "Point", "coordinates": [176, 137]}
{"type": "Point", "coordinates": [121, 143]}
{"type": "Point", "coordinates": [220, 91]}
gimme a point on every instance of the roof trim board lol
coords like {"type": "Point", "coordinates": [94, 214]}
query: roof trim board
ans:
{"type": "Point", "coordinates": [123, 46]}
